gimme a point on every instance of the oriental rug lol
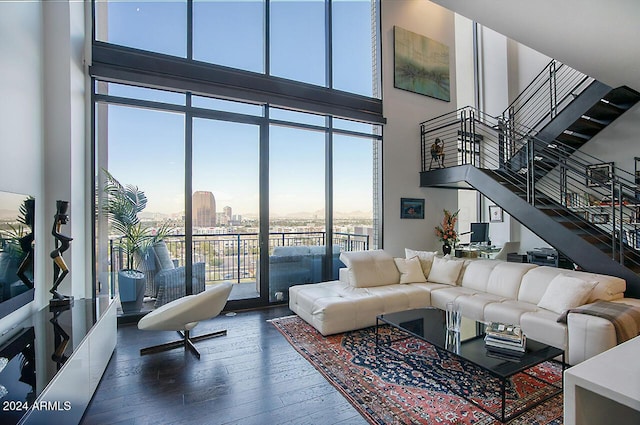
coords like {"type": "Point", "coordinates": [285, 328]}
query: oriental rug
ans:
{"type": "Point", "coordinates": [411, 382]}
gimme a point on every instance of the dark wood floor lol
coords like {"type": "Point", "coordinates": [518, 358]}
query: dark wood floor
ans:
{"type": "Point", "coordinates": [250, 376]}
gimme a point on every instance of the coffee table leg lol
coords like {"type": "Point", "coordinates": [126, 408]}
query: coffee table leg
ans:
{"type": "Point", "coordinates": [377, 323]}
{"type": "Point", "coordinates": [504, 398]}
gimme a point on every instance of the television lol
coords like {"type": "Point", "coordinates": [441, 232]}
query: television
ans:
{"type": "Point", "coordinates": [17, 250]}
{"type": "Point", "coordinates": [479, 233]}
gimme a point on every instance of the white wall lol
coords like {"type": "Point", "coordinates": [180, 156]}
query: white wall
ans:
{"type": "Point", "coordinates": [21, 126]}
{"type": "Point", "coordinates": [494, 96]}
{"type": "Point", "coordinates": [43, 129]}
{"type": "Point", "coordinates": [404, 111]}
{"type": "Point", "coordinates": [618, 142]}
{"type": "Point", "coordinates": [598, 38]}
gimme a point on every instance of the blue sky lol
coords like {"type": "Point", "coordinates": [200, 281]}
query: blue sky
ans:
{"type": "Point", "coordinates": [146, 147]}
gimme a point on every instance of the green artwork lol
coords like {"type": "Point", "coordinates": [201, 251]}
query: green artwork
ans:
{"type": "Point", "coordinates": [421, 65]}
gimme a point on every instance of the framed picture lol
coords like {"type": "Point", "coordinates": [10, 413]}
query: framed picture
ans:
{"type": "Point", "coordinates": [411, 208]}
{"type": "Point", "coordinates": [599, 174]}
{"type": "Point", "coordinates": [495, 214]}
{"type": "Point", "coordinates": [421, 65]}
{"type": "Point", "coordinates": [599, 218]}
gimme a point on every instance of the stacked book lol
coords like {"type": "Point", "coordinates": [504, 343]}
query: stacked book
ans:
{"type": "Point", "coordinates": [507, 340]}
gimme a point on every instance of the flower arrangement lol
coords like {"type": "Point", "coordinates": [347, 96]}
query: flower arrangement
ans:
{"type": "Point", "coordinates": [446, 232]}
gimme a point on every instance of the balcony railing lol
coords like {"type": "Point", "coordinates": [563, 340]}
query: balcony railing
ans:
{"type": "Point", "coordinates": [235, 256]}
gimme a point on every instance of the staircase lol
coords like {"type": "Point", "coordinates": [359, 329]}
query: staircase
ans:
{"type": "Point", "coordinates": [562, 104]}
{"type": "Point", "coordinates": [548, 186]}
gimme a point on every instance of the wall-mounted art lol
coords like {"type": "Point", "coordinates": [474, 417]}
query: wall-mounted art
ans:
{"type": "Point", "coordinates": [495, 214]}
{"type": "Point", "coordinates": [599, 174]}
{"type": "Point", "coordinates": [411, 208]}
{"type": "Point", "coordinates": [421, 65]}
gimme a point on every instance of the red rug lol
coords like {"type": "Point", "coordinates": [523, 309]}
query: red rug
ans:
{"type": "Point", "coordinates": [405, 385]}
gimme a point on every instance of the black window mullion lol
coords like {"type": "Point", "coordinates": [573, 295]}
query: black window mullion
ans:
{"type": "Point", "coordinates": [188, 204]}
{"type": "Point", "coordinates": [267, 37]}
{"type": "Point", "coordinates": [328, 264]}
{"type": "Point", "coordinates": [329, 43]}
{"type": "Point", "coordinates": [189, 29]}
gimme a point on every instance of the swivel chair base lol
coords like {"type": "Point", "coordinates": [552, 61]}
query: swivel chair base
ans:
{"type": "Point", "coordinates": [186, 341]}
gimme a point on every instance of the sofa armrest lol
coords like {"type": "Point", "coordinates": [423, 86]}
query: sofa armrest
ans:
{"type": "Point", "coordinates": [588, 336]}
{"type": "Point", "coordinates": [343, 274]}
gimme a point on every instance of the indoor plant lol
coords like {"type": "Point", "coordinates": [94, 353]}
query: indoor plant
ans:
{"type": "Point", "coordinates": [122, 205]}
{"type": "Point", "coordinates": [446, 232]}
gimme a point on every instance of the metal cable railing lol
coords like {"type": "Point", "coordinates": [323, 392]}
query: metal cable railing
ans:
{"type": "Point", "coordinates": [235, 256]}
{"type": "Point", "coordinates": [552, 90]}
{"type": "Point", "coordinates": [600, 198]}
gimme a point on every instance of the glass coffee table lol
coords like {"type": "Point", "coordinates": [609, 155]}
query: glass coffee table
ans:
{"type": "Point", "coordinates": [429, 324]}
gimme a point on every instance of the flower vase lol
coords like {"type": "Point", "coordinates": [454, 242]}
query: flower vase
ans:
{"type": "Point", "coordinates": [446, 249]}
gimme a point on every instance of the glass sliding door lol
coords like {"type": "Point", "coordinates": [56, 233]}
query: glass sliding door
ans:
{"type": "Point", "coordinates": [225, 204]}
{"type": "Point", "coordinates": [143, 149]}
{"type": "Point", "coordinates": [297, 227]}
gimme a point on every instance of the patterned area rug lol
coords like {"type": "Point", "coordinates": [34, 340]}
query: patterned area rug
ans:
{"type": "Point", "coordinates": [405, 384]}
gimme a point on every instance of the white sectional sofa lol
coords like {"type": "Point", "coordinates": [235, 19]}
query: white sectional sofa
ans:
{"type": "Point", "coordinates": [486, 290]}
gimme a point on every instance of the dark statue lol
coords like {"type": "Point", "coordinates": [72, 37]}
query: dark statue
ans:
{"type": "Point", "coordinates": [62, 242]}
{"type": "Point", "coordinates": [60, 338]}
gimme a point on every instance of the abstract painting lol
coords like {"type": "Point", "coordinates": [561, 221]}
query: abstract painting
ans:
{"type": "Point", "coordinates": [421, 65]}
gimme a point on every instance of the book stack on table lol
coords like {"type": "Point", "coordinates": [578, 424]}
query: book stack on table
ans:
{"type": "Point", "coordinates": [506, 340]}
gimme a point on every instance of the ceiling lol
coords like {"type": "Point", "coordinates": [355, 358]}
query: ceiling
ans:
{"type": "Point", "coordinates": [599, 38]}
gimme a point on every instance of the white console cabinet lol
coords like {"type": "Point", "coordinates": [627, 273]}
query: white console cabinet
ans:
{"type": "Point", "coordinates": [53, 362]}
{"type": "Point", "coordinates": [605, 388]}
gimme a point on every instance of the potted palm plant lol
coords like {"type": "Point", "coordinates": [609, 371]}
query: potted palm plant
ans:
{"type": "Point", "coordinates": [122, 205]}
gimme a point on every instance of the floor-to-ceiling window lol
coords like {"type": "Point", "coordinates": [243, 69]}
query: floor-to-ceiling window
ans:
{"type": "Point", "coordinates": [226, 203]}
{"type": "Point", "coordinates": [256, 174]}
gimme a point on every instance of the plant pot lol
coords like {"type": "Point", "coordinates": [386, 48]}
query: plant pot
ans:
{"type": "Point", "coordinates": [131, 286]}
{"type": "Point", "coordinates": [446, 249]}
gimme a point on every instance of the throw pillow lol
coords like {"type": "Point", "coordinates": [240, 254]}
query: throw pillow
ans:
{"type": "Point", "coordinates": [426, 258]}
{"type": "Point", "coordinates": [163, 256]}
{"type": "Point", "coordinates": [565, 292]}
{"type": "Point", "coordinates": [445, 270]}
{"type": "Point", "coordinates": [370, 268]}
{"type": "Point", "coordinates": [410, 270]}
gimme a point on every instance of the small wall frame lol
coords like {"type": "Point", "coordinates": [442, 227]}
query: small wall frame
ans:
{"type": "Point", "coordinates": [411, 208]}
{"type": "Point", "coordinates": [495, 214]}
{"type": "Point", "coordinates": [599, 175]}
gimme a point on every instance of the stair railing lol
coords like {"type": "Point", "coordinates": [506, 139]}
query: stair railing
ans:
{"type": "Point", "coordinates": [547, 174]}
{"type": "Point", "coordinates": [546, 96]}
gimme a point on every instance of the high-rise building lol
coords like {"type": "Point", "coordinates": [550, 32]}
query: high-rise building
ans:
{"type": "Point", "coordinates": [227, 211]}
{"type": "Point", "coordinates": [204, 209]}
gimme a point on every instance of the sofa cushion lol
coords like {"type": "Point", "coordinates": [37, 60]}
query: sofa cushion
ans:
{"type": "Point", "coordinates": [476, 274]}
{"type": "Point", "coordinates": [445, 270]}
{"type": "Point", "coordinates": [410, 270]}
{"type": "Point", "coordinates": [322, 250]}
{"type": "Point", "coordinates": [542, 326]}
{"type": "Point", "coordinates": [370, 268]}
{"type": "Point", "coordinates": [320, 305]}
{"type": "Point", "coordinates": [505, 278]}
{"type": "Point", "coordinates": [508, 311]}
{"type": "Point", "coordinates": [291, 250]}
{"type": "Point", "coordinates": [440, 297]}
{"type": "Point", "coordinates": [163, 257]}
{"type": "Point", "coordinates": [401, 297]}
{"type": "Point", "coordinates": [535, 282]}
{"type": "Point", "coordinates": [565, 292]}
{"type": "Point", "coordinates": [473, 305]}
{"type": "Point", "coordinates": [426, 258]}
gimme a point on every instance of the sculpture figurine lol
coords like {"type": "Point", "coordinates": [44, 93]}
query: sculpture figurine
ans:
{"type": "Point", "coordinates": [60, 338]}
{"type": "Point", "coordinates": [62, 242]}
